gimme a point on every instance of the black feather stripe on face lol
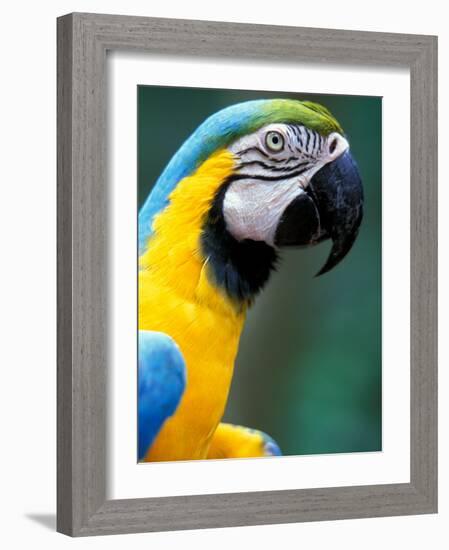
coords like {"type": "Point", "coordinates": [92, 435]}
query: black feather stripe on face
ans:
{"type": "Point", "coordinates": [240, 268]}
{"type": "Point", "coordinates": [302, 148]}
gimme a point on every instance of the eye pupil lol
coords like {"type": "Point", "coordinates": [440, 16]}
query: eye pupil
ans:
{"type": "Point", "coordinates": [274, 141]}
{"type": "Point", "coordinates": [332, 146]}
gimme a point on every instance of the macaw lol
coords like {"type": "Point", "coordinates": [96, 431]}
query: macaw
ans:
{"type": "Point", "coordinates": [253, 178]}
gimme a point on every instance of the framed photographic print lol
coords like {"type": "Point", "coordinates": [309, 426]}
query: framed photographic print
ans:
{"type": "Point", "coordinates": [246, 274]}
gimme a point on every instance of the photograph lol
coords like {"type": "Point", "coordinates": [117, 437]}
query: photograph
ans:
{"type": "Point", "coordinates": [225, 331]}
{"type": "Point", "coordinates": [259, 272]}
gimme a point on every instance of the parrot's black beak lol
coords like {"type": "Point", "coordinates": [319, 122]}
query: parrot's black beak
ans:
{"type": "Point", "coordinates": [332, 207]}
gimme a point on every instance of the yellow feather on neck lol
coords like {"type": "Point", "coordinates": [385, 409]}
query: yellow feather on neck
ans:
{"type": "Point", "coordinates": [173, 253]}
{"type": "Point", "coordinates": [178, 297]}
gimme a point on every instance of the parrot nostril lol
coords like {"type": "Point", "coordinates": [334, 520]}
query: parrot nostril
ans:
{"type": "Point", "coordinates": [336, 145]}
{"type": "Point", "coordinates": [333, 146]}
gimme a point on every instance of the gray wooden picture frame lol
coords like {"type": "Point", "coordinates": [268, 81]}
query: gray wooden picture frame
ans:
{"type": "Point", "coordinates": [83, 40]}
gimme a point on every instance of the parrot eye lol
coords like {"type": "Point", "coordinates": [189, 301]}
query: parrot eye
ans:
{"type": "Point", "coordinates": [274, 141]}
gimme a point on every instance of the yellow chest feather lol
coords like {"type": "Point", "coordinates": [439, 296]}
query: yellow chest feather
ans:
{"type": "Point", "coordinates": [176, 296]}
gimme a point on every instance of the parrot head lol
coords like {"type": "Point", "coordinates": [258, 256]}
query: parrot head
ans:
{"type": "Point", "coordinates": [294, 184]}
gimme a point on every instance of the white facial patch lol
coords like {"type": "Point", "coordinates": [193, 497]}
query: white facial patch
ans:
{"type": "Point", "coordinates": [252, 209]}
{"type": "Point", "coordinates": [275, 165]}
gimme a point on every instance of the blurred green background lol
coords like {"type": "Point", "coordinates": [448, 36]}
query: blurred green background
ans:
{"type": "Point", "coordinates": [309, 369]}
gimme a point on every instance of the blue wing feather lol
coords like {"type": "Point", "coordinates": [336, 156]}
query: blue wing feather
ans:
{"type": "Point", "coordinates": [271, 448]}
{"type": "Point", "coordinates": [161, 383]}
